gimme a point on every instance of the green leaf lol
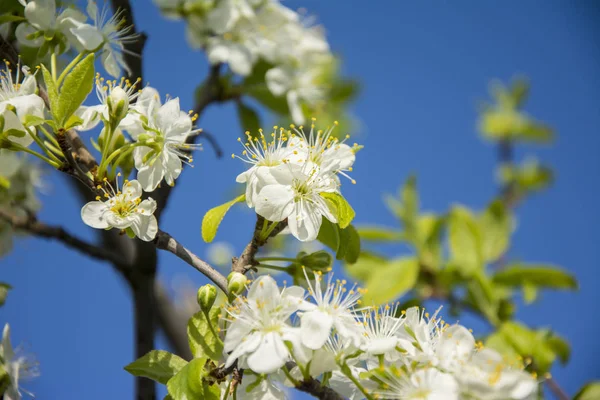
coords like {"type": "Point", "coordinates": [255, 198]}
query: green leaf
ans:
{"type": "Point", "coordinates": [11, 18]}
{"type": "Point", "coordinates": [495, 225]}
{"type": "Point", "coordinates": [380, 234]}
{"type": "Point", "coordinates": [212, 219]}
{"type": "Point", "coordinates": [349, 247]}
{"type": "Point", "coordinates": [202, 339]}
{"type": "Point", "coordinates": [248, 117]}
{"type": "Point", "coordinates": [75, 88]}
{"type": "Point", "coordinates": [591, 391]}
{"type": "Point", "coordinates": [391, 280]}
{"type": "Point", "coordinates": [560, 347]}
{"type": "Point", "coordinates": [4, 288]}
{"type": "Point", "coordinates": [158, 365]}
{"type": "Point", "coordinates": [345, 242]}
{"type": "Point", "coordinates": [366, 264]}
{"type": "Point", "coordinates": [33, 120]}
{"type": "Point", "coordinates": [538, 275]}
{"type": "Point", "coordinates": [340, 208]}
{"type": "Point", "coordinates": [4, 182]}
{"type": "Point", "coordinates": [465, 241]}
{"type": "Point", "coordinates": [406, 207]}
{"type": "Point", "coordinates": [189, 382]}
{"type": "Point", "coordinates": [428, 239]}
{"type": "Point", "coordinates": [52, 92]}
{"type": "Point", "coordinates": [535, 132]}
{"type": "Point", "coordinates": [530, 293]}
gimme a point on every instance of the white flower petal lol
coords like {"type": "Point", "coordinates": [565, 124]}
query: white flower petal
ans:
{"type": "Point", "coordinates": [94, 214]}
{"type": "Point", "coordinates": [270, 355]}
{"type": "Point", "coordinates": [315, 327]}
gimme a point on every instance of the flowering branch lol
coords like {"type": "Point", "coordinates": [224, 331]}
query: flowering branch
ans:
{"type": "Point", "coordinates": [164, 241]}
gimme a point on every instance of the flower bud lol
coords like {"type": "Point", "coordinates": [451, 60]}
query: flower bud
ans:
{"type": "Point", "coordinates": [206, 297]}
{"type": "Point", "coordinates": [318, 261]}
{"type": "Point", "coordinates": [118, 104]}
{"type": "Point", "coordinates": [236, 283]}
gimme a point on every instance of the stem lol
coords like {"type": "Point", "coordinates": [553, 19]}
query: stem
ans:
{"type": "Point", "coordinates": [35, 153]}
{"type": "Point", "coordinates": [259, 259]}
{"type": "Point", "coordinates": [273, 267]}
{"type": "Point", "coordinates": [49, 136]}
{"type": "Point", "coordinates": [42, 146]}
{"type": "Point", "coordinates": [269, 230]}
{"type": "Point", "coordinates": [346, 371]}
{"type": "Point", "coordinates": [263, 229]}
{"type": "Point", "coordinates": [106, 162]}
{"type": "Point", "coordinates": [290, 377]}
{"type": "Point", "coordinates": [68, 68]}
{"type": "Point", "coordinates": [53, 66]}
{"type": "Point", "coordinates": [211, 327]}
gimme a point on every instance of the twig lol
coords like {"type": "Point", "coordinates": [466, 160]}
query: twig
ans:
{"type": "Point", "coordinates": [556, 389]}
{"type": "Point", "coordinates": [164, 241]}
{"type": "Point", "coordinates": [246, 261]}
{"type": "Point", "coordinates": [32, 226]}
{"type": "Point", "coordinates": [314, 387]}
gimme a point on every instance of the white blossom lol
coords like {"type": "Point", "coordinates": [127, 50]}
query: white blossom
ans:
{"type": "Point", "coordinates": [106, 91]}
{"type": "Point", "coordinates": [422, 384]}
{"type": "Point", "coordinates": [123, 210]}
{"type": "Point", "coordinates": [380, 329]}
{"type": "Point", "coordinates": [333, 309]}
{"type": "Point", "coordinates": [260, 327]}
{"type": "Point", "coordinates": [18, 366]}
{"type": "Point", "coordinates": [107, 35]}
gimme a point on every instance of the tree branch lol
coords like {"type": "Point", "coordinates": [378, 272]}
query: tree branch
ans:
{"type": "Point", "coordinates": [32, 226]}
{"type": "Point", "coordinates": [314, 387]}
{"type": "Point", "coordinates": [164, 241]}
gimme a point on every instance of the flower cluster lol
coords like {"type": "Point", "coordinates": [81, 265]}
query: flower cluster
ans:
{"type": "Point", "coordinates": [20, 107]}
{"type": "Point", "coordinates": [15, 366]}
{"type": "Point", "coordinates": [381, 352]}
{"type": "Point", "coordinates": [45, 28]}
{"type": "Point", "coordinates": [244, 32]}
{"type": "Point", "coordinates": [290, 173]}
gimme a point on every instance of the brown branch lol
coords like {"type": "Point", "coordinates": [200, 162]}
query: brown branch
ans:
{"type": "Point", "coordinates": [32, 226]}
{"type": "Point", "coordinates": [164, 241]}
{"type": "Point", "coordinates": [556, 389]}
{"type": "Point", "coordinates": [314, 387]}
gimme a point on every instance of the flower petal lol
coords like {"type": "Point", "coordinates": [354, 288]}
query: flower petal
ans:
{"type": "Point", "coordinates": [94, 214]}
{"type": "Point", "coordinates": [275, 202]}
{"type": "Point", "coordinates": [315, 328]}
{"type": "Point", "coordinates": [270, 355]}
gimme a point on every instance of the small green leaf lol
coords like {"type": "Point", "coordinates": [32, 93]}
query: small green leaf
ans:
{"type": "Point", "coordinates": [33, 120]}
{"type": "Point", "coordinates": [428, 239]}
{"type": "Point", "coordinates": [345, 242]}
{"type": "Point", "coordinates": [202, 339]}
{"type": "Point", "coordinates": [248, 117]}
{"type": "Point", "coordinates": [212, 219]}
{"type": "Point", "coordinates": [380, 234]}
{"type": "Point", "coordinates": [4, 182]}
{"type": "Point", "coordinates": [495, 226]}
{"type": "Point", "coordinates": [189, 382]}
{"type": "Point", "coordinates": [391, 280]}
{"type": "Point", "coordinates": [52, 92]}
{"type": "Point", "coordinates": [75, 88]}
{"type": "Point", "coordinates": [530, 293]}
{"type": "Point", "coordinates": [366, 264]}
{"type": "Point", "coordinates": [11, 18]}
{"type": "Point", "coordinates": [406, 207]}
{"type": "Point", "coordinates": [465, 241]}
{"type": "Point", "coordinates": [538, 275]}
{"type": "Point", "coordinates": [591, 391]}
{"type": "Point", "coordinates": [158, 365]}
{"type": "Point", "coordinates": [349, 248]}
{"type": "Point", "coordinates": [560, 347]}
{"type": "Point", "coordinates": [4, 288]}
{"type": "Point", "coordinates": [340, 208]}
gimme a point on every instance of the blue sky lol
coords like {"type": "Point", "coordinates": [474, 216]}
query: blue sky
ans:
{"type": "Point", "coordinates": [422, 67]}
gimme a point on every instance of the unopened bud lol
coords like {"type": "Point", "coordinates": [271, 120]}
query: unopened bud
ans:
{"type": "Point", "coordinates": [118, 104]}
{"type": "Point", "coordinates": [318, 261]}
{"type": "Point", "coordinates": [236, 283]}
{"type": "Point", "coordinates": [206, 297]}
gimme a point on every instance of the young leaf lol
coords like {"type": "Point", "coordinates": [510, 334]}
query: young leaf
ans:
{"type": "Point", "coordinates": [495, 224]}
{"type": "Point", "coordinates": [340, 208]}
{"type": "Point", "coordinates": [189, 383]}
{"type": "Point", "coordinates": [201, 337]}
{"type": "Point", "coordinates": [365, 266]}
{"type": "Point", "coordinates": [329, 234]}
{"type": "Point", "coordinates": [75, 88]}
{"type": "Point", "coordinates": [591, 391]}
{"type": "Point", "coordinates": [158, 365]}
{"type": "Point", "coordinates": [52, 91]}
{"type": "Point", "coordinates": [4, 288]}
{"type": "Point", "coordinates": [213, 217]}
{"type": "Point", "coordinates": [349, 247]}
{"type": "Point", "coordinates": [538, 275]}
{"type": "Point", "coordinates": [380, 234]}
{"type": "Point", "coordinates": [391, 280]}
{"type": "Point", "coordinates": [465, 241]}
